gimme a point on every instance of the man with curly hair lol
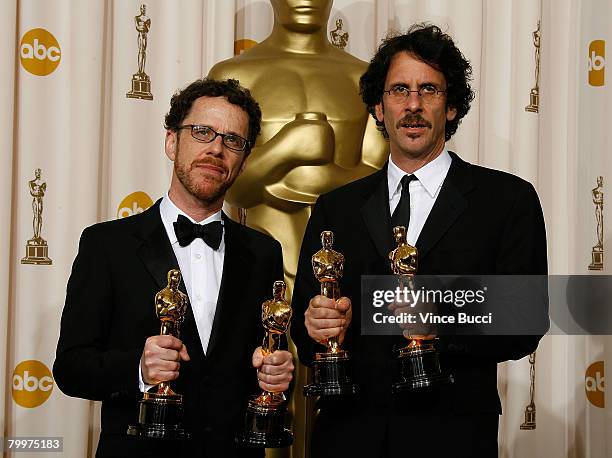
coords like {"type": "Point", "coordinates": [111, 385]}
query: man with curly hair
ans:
{"type": "Point", "coordinates": [464, 220]}
{"type": "Point", "coordinates": [110, 348]}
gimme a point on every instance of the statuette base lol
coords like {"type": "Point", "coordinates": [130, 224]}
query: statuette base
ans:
{"type": "Point", "coordinates": [331, 376]}
{"type": "Point", "coordinates": [530, 420]}
{"type": "Point", "coordinates": [264, 426]}
{"type": "Point", "coordinates": [534, 101]}
{"type": "Point", "coordinates": [419, 368]}
{"type": "Point", "coordinates": [597, 257]}
{"type": "Point", "coordinates": [160, 417]}
{"type": "Point", "coordinates": [37, 252]}
{"type": "Point", "coordinates": [141, 87]}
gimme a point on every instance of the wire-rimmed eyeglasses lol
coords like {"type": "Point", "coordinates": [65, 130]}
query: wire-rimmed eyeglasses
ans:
{"type": "Point", "coordinates": [207, 134]}
{"type": "Point", "coordinates": [427, 92]}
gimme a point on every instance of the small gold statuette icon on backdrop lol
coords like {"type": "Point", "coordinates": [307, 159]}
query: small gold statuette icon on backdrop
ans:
{"type": "Point", "coordinates": [419, 364]}
{"type": "Point", "coordinates": [37, 250]}
{"type": "Point", "coordinates": [265, 417]}
{"type": "Point", "coordinates": [161, 409]}
{"type": "Point", "coordinates": [331, 376]}
{"type": "Point", "coordinates": [339, 37]}
{"type": "Point", "coordinates": [530, 410]}
{"type": "Point", "coordinates": [597, 253]}
{"type": "Point", "coordinates": [141, 83]}
{"type": "Point", "coordinates": [534, 95]}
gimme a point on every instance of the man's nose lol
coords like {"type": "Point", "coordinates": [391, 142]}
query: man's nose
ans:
{"type": "Point", "coordinates": [414, 102]}
{"type": "Point", "coordinates": [216, 146]}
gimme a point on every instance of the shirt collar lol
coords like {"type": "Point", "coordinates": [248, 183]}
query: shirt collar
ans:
{"type": "Point", "coordinates": [431, 175]}
{"type": "Point", "coordinates": [170, 212]}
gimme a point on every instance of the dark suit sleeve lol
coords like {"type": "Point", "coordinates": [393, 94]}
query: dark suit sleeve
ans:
{"type": "Point", "coordinates": [306, 285]}
{"type": "Point", "coordinates": [522, 251]}
{"type": "Point", "coordinates": [87, 365]}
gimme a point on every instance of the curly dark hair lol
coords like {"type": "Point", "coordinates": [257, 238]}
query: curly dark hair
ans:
{"type": "Point", "coordinates": [432, 46]}
{"type": "Point", "coordinates": [182, 100]}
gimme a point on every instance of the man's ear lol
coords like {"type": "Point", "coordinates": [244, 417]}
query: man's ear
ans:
{"type": "Point", "coordinates": [170, 144]}
{"type": "Point", "coordinates": [451, 112]}
{"type": "Point", "coordinates": [379, 110]}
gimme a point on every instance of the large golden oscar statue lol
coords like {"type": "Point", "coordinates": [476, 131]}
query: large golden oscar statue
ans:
{"type": "Point", "coordinates": [316, 135]}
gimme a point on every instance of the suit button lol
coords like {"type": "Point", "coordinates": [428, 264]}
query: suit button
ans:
{"type": "Point", "coordinates": [207, 429]}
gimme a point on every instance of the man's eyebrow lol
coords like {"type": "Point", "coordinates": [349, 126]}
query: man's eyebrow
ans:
{"type": "Point", "coordinates": [231, 132]}
{"type": "Point", "coordinates": [426, 83]}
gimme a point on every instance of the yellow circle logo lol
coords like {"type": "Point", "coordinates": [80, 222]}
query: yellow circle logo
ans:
{"type": "Point", "coordinates": [135, 203]}
{"type": "Point", "coordinates": [242, 45]}
{"type": "Point", "coordinates": [40, 52]}
{"type": "Point", "coordinates": [32, 383]}
{"type": "Point", "coordinates": [594, 384]}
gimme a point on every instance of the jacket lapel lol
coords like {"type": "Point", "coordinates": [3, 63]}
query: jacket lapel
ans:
{"type": "Point", "coordinates": [235, 277]}
{"type": "Point", "coordinates": [375, 213]}
{"type": "Point", "coordinates": [158, 257]}
{"type": "Point", "coordinates": [449, 205]}
{"type": "Point", "coordinates": [156, 252]}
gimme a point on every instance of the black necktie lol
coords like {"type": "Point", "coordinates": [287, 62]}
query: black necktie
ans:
{"type": "Point", "coordinates": [401, 215]}
{"type": "Point", "coordinates": [186, 232]}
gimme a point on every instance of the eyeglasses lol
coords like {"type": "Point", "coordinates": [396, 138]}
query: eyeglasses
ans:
{"type": "Point", "coordinates": [207, 134]}
{"type": "Point", "coordinates": [428, 93]}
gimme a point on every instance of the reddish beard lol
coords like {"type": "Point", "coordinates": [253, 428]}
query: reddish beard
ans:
{"type": "Point", "coordinates": [208, 189]}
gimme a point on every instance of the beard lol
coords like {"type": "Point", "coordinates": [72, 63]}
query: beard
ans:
{"type": "Point", "coordinates": [206, 188]}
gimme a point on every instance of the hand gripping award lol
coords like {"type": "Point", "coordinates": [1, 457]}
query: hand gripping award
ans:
{"type": "Point", "coordinates": [161, 409]}
{"type": "Point", "coordinates": [419, 364]}
{"type": "Point", "coordinates": [331, 368]}
{"type": "Point", "coordinates": [265, 417]}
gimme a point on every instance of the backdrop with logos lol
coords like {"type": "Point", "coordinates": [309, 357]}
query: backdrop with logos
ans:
{"type": "Point", "coordinates": [86, 86]}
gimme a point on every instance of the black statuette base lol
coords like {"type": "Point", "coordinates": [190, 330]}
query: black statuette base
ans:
{"type": "Point", "coordinates": [331, 376]}
{"type": "Point", "coordinates": [160, 418]}
{"type": "Point", "coordinates": [264, 426]}
{"type": "Point", "coordinates": [419, 367]}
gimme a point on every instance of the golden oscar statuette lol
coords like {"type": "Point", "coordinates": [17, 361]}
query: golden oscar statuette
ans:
{"type": "Point", "coordinates": [331, 376]}
{"type": "Point", "coordinates": [141, 83]}
{"type": "Point", "coordinates": [597, 253]}
{"type": "Point", "coordinates": [530, 410]}
{"type": "Point", "coordinates": [264, 424]}
{"type": "Point", "coordinates": [37, 250]}
{"type": "Point", "coordinates": [419, 364]}
{"type": "Point", "coordinates": [161, 409]}
{"type": "Point", "coordinates": [534, 95]}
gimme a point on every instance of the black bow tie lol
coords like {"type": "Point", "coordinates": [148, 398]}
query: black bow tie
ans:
{"type": "Point", "coordinates": [186, 232]}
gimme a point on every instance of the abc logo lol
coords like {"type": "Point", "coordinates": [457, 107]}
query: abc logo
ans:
{"type": "Point", "coordinates": [594, 384]}
{"type": "Point", "coordinates": [597, 62]}
{"type": "Point", "coordinates": [241, 46]}
{"type": "Point", "coordinates": [40, 52]}
{"type": "Point", "coordinates": [135, 203]}
{"type": "Point", "coordinates": [32, 383]}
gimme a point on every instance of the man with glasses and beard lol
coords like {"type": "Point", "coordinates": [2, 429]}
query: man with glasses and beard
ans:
{"type": "Point", "coordinates": [109, 348]}
{"type": "Point", "coordinates": [463, 219]}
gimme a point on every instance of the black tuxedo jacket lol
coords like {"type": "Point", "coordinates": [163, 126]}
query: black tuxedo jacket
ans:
{"type": "Point", "coordinates": [483, 222]}
{"type": "Point", "coordinates": [109, 313]}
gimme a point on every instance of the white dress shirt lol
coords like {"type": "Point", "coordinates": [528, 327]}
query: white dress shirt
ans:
{"type": "Point", "coordinates": [201, 269]}
{"type": "Point", "coordinates": [423, 191]}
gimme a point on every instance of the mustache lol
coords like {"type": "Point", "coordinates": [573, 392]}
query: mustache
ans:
{"type": "Point", "coordinates": [209, 161]}
{"type": "Point", "coordinates": [413, 118]}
